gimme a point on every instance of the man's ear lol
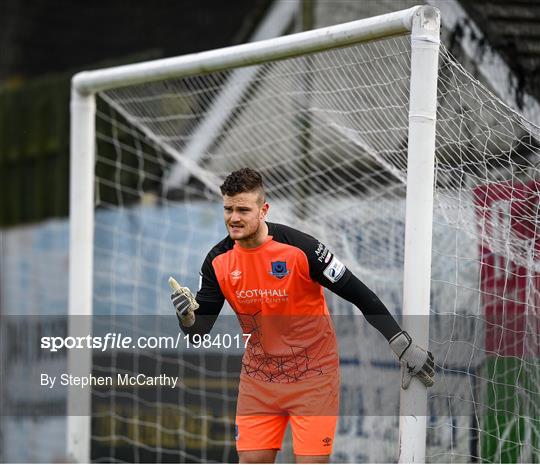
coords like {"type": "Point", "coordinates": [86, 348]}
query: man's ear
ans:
{"type": "Point", "coordinates": [264, 210]}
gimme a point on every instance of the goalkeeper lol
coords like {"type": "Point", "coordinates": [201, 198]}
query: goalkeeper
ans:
{"type": "Point", "coordinates": [272, 276]}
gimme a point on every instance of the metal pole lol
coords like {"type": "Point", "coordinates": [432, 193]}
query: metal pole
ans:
{"type": "Point", "coordinates": [278, 48]}
{"type": "Point", "coordinates": [81, 238]}
{"type": "Point", "coordinates": [418, 221]}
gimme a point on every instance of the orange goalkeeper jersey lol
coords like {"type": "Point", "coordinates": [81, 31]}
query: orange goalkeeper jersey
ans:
{"type": "Point", "coordinates": [276, 291]}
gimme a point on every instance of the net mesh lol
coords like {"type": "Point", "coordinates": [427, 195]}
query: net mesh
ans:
{"type": "Point", "coordinates": [328, 132]}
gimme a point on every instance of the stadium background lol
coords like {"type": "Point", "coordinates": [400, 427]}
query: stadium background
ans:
{"type": "Point", "coordinates": [45, 42]}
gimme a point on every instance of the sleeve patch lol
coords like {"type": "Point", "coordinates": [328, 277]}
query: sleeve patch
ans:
{"type": "Point", "coordinates": [335, 270]}
{"type": "Point", "coordinates": [322, 253]}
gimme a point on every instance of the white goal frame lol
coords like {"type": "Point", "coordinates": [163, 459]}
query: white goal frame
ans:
{"type": "Point", "coordinates": [423, 23]}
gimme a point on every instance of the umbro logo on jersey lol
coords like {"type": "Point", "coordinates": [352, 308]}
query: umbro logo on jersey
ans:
{"type": "Point", "coordinates": [279, 269]}
{"type": "Point", "coordinates": [327, 442]}
{"type": "Point", "coordinates": [236, 274]}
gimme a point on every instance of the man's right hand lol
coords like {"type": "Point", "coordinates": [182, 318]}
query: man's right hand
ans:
{"type": "Point", "coordinates": [184, 302]}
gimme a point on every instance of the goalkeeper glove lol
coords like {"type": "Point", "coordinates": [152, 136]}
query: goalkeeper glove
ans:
{"type": "Point", "coordinates": [414, 360]}
{"type": "Point", "coordinates": [184, 302]}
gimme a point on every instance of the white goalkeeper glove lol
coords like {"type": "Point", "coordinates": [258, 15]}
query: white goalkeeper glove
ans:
{"type": "Point", "coordinates": [414, 360]}
{"type": "Point", "coordinates": [184, 302]}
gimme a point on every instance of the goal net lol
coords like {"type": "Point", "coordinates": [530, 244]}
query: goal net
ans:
{"type": "Point", "coordinates": [329, 133]}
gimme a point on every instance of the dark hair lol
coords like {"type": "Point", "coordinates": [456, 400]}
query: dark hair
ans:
{"type": "Point", "coordinates": [242, 180]}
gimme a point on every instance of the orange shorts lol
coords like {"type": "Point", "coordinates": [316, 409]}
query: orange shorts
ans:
{"type": "Point", "coordinates": [264, 409]}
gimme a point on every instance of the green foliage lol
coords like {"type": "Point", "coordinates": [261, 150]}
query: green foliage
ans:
{"type": "Point", "coordinates": [34, 145]}
{"type": "Point", "coordinates": [510, 429]}
{"type": "Point", "coordinates": [34, 150]}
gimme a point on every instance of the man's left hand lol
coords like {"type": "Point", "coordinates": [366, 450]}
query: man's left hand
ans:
{"type": "Point", "coordinates": [414, 360]}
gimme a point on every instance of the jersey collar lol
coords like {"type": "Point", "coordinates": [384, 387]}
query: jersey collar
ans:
{"type": "Point", "coordinates": [239, 248]}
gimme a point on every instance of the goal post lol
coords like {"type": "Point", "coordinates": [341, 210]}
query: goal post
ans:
{"type": "Point", "coordinates": [81, 249]}
{"type": "Point", "coordinates": [419, 220]}
{"type": "Point", "coordinates": [423, 25]}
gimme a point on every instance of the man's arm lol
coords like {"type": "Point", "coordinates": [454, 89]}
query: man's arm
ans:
{"type": "Point", "coordinates": [330, 272]}
{"type": "Point", "coordinates": [197, 315]}
{"type": "Point", "coordinates": [376, 313]}
{"type": "Point", "coordinates": [206, 316]}
{"type": "Point", "coordinates": [414, 360]}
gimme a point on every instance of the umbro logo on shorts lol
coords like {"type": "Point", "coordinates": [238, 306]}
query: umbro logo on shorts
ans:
{"type": "Point", "coordinates": [327, 442]}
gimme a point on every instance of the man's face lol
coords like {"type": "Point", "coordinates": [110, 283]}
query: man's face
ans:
{"type": "Point", "coordinates": [244, 214]}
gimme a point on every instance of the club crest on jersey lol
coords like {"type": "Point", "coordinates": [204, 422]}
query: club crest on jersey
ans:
{"type": "Point", "coordinates": [279, 269]}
